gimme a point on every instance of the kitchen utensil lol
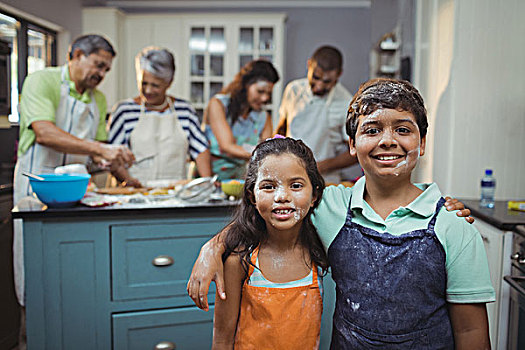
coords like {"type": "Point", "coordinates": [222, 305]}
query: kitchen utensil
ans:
{"type": "Point", "coordinates": [33, 176]}
{"type": "Point", "coordinates": [122, 190]}
{"type": "Point", "coordinates": [233, 187]}
{"type": "Point", "coordinates": [60, 190]}
{"type": "Point", "coordinates": [197, 189]}
{"type": "Point", "coordinates": [165, 183]}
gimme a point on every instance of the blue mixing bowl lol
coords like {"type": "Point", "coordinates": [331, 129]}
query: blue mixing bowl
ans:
{"type": "Point", "coordinates": [60, 190]}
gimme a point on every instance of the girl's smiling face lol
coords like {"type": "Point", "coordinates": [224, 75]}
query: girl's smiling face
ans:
{"type": "Point", "coordinates": [387, 143]}
{"type": "Point", "coordinates": [283, 193]}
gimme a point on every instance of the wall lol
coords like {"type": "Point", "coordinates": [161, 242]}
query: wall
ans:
{"type": "Point", "coordinates": [478, 101]}
{"type": "Point", "coordinates": [433, 59]}
{"type": "Point", "coordinates": [394, 16]}
{"type": "Point", "coordinates": [346, 27]}
{"type": "Point", "coordinates": [110, 23]}
{"type": "Point", "coordinates": [66, 14]}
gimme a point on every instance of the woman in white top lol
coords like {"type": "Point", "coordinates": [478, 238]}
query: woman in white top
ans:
{"type": "Point", "coordinates": [162, 131]}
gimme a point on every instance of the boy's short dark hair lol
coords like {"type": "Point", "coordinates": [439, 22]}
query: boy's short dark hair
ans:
{"type": "Point", "coordinates": [386, 93]}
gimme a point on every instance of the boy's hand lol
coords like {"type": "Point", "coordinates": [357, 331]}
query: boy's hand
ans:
{"type": "Point", "coordinates": [453, 204]}
{"type": "Point", "coordinates": [207, 268]}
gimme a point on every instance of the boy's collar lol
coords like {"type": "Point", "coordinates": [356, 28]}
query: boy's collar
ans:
{"type": "Point", "coordinates": [358, 190]}
{"type": "Point", "coordinates": [424, 205]}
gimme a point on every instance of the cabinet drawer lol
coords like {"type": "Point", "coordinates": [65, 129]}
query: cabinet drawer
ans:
{"type": "Point", "coordinates": [152, 261]}
{"type": "Point", "coordinates": [184, 328]}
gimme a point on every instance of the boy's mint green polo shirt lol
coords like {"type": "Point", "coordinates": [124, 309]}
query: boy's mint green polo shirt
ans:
{"type": "Point", "coordinates": [40, 98]}
{"type": "Point", "coordinates": [468, 277]}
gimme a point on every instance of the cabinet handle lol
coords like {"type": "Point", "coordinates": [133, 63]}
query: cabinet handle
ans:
{"type": "Point", "coordinates": [165, 345]}
{"type": "Point", "coordinates": [520, 259]}
{"type": "Point", "coordinates": [485, 239]}
{"type": "Point", "coordinates": [163, 260]}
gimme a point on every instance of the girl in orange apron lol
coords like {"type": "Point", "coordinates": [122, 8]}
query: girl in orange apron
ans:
{"type": "Point", "coordinates": [273, 255]}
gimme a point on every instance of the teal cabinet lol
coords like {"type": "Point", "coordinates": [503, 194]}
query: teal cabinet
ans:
{"type": "Point", "coordinates": [163, 330]}
{"type": "Point", "coordinates": [155, 260]}
{"type": "Point", "coordinates": [115, 279]}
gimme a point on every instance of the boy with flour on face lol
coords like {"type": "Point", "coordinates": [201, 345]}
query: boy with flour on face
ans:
{"type": "Point", "coordinates": [409, 274]}
{"type": "Point", "coordinates": [419, 277]}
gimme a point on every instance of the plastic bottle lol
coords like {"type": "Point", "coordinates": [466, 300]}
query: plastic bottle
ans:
{"type": "Point", "coordinates": [488, 187]}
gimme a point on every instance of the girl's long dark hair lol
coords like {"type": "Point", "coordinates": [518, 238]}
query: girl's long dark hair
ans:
{"type": "Point", "coordinates": [248, 229]}
{"type": "Point", "coordinates": [252, 72]}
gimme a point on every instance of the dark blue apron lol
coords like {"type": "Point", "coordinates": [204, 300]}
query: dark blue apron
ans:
{"type": "Point", "coordinates": [390, 290]}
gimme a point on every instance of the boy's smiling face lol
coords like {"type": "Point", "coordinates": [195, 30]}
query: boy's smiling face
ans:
{"type": "Point", "coordinates": [387, 143]}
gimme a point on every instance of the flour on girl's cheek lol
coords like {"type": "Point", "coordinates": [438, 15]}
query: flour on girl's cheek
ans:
{"type": "Point", "coordinates": [279, 192]}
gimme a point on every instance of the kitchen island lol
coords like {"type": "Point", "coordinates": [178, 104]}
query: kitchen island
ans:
{"type": "Point", "coordinates": [115, 277]}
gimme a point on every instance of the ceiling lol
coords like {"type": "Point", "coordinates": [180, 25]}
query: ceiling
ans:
{"type": "Point", "coordinates": [149, 4]}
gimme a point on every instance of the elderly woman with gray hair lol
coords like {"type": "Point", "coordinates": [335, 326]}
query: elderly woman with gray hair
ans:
{"type": "Point", "coordinates": [162, 131]}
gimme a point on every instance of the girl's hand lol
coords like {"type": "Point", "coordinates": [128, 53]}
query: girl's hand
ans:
{"type": "Point", "coordinates": [453, 204]}
{"type": "Point", "coordinates": [207, 268]}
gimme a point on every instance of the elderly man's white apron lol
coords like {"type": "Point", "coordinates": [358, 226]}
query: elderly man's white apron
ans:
{"type": "Point", "coordinates": [73, 116]}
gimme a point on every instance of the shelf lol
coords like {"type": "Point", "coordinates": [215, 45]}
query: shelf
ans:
{"type": "Point", "coordinates": [388, 69]}
{"type": "Point", "coordinates": [389, 45]}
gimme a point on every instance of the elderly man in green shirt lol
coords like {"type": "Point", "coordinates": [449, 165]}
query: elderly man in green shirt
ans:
{"type": "Point", "coordinates": [62, 121]}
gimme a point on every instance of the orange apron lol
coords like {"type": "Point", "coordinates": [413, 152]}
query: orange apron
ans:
{"type": "Point", "coordinates": [279, 318]}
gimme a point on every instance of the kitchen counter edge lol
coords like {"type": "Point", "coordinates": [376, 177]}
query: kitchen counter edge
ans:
{"type": "Point", "coordinates": [36, 210]}
{"type": "Point", "coordinates": [500, 216]}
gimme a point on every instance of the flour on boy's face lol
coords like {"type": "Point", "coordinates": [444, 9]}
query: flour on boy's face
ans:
{"type": "Point", "coordinates": [387, 143]}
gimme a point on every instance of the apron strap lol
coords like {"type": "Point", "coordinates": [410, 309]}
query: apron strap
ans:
{"type": "Point", "coordinates": [315, 281]}
{"type": "Point", "coordinates": [253, 261]}
{"type": "Point", "coordinates": [171, 106]}
{"type": "Point", "coordinates": [349, 214]}
{"type": "Point", "coordinates": [432, 222]}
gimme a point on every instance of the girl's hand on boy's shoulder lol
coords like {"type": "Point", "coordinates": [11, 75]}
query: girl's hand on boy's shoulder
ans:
{"type": "Point", "coordinates": [453, 204]}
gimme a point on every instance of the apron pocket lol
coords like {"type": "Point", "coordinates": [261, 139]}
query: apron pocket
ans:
{"type": "Point", "coordinates": [413, 340]}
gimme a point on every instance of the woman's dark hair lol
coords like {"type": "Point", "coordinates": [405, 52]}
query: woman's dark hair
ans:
{"type": "Point", "coordinates": [386, 93]}
{"type": "Point", "coordinates": [252, 72]}
{"type": "Point", "coordinates": [248, 229]}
